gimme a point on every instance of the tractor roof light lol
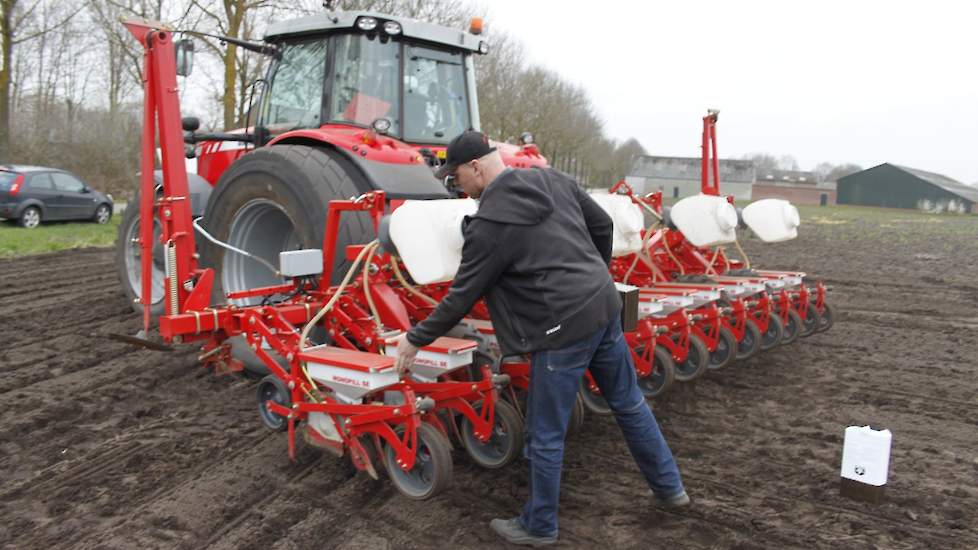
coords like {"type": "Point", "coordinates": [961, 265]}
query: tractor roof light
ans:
{"type": "Point", "coordinates": [475, 25]}
{"type": "Point", "coordinates": [381, 125]}
{"type": "Point", "coordinates": [483, 47]}
{"type": "Point", "coordinates": [392, 27]}
{"type": "Point", "coordinates": [367, 24]}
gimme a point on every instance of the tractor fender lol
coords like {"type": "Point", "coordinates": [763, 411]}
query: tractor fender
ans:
{"type": "Point", "coordinates": [399, 180]}
{"type": "Point", "coordinates": [200, 191]}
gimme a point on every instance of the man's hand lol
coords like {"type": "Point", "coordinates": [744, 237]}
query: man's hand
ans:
{"type": "Point", "coordinates": [406, 352]}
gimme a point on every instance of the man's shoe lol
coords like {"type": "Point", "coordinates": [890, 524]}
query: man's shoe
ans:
{"type": "Point", "coordinates": [512, 531]}
{"type": "Point", "coordinates": [680, 500]}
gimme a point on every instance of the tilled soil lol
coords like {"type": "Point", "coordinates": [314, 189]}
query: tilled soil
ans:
{"type": "Point", "coordinates": [106, 446]}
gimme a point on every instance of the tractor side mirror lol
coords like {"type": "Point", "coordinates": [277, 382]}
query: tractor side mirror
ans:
{"type": "Point", "coordinates": [185, 56]}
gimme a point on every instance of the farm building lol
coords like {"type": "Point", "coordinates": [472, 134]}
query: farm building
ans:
{"type": "Point", "coordinates": [679, 177]}
{"type": "Point", "coordinates": [793, 185]}
{"type": "Point", "coordinates": [893, 186]}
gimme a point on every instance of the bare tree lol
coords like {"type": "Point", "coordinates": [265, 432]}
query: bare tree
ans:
{"type": "Point", "coordinates": [766, 162]}
{"type": "Point", "coordinates": [15, 28]}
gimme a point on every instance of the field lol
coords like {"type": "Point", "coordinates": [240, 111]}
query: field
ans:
{"type": "Point", "coordinates": [105, 446]}
{"type": "Point", "coordinates": [53, 236]}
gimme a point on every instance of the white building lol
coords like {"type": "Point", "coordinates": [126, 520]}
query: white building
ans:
{"type": "Point", "coordinates": [679, 177]}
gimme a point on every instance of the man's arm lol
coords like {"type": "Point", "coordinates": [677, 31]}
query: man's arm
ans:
{"type": "Point", "coordinates": [599, 224]}
{"type": "Point", "coordinates": [482, 263]}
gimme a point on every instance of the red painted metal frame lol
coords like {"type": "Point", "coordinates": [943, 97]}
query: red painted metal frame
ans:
{"type": "Point", "coordinates": [710, 158]}
{"type": "Point", "coordinates": [162, 112]}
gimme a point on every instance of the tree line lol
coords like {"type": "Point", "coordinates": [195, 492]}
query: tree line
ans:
{"type": "Point", "coordinates": [71, 83]}
{"type": "Point", "coordinates": [71, 92]}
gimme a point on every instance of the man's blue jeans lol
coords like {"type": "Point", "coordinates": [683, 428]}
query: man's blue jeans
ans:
{"type": "Point", "coordinates": [555, 379]}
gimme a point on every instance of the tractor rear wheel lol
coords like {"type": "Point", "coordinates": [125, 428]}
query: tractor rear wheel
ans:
{"type": "Point", "coordinates": [273, 200]}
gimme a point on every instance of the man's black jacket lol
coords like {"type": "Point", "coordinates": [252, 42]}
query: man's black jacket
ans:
{"type": "Point", "coordinates": [538, 248]}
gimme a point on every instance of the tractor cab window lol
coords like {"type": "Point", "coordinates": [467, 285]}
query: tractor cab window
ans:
{"type": "Point", "coordinates": [365, 81]}
{"type": "Point", "coordinates": [296, 97]}
{"type": "Point", "coordinates": [435, 105]}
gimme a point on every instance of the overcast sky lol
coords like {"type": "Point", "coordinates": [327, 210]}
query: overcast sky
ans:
{"type": "Point", "coordinates": [861, 81]}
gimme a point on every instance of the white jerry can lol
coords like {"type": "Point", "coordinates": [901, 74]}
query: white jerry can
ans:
{"type": "Point", "coordinates": [866, 459]}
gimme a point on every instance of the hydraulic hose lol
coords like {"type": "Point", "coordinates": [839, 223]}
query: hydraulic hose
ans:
{"type": "Point", "coordinates": [329, 305]}
{"type": "Point", "coordinates": [410, 288]}
{"type": "Point", "coordinates": [742, 254]}
{"type": "Point", "coordinates": [234, 249]}
{"type": "Point", "coordinates": [366, 285]}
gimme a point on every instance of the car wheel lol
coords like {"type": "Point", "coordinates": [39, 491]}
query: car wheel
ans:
{"type": "Point", "coordinates": [102, 214]}
{"type": "Point", "coordinates": [31, 217]}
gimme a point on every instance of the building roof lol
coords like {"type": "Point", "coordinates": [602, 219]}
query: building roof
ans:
{"type": "Point", "coordinates": [689, 169]}
{"type": "Point", "coordinates": [948, 184]}
{"type": "Point", "coordinates": [787, 176]}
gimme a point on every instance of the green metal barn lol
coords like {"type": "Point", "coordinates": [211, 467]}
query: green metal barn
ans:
{"type": "Point", "coordinates": [894, 186]}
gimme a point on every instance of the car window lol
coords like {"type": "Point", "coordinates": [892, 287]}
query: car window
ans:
{"type": "Point", "coordinates": [7, 180]}
{"type": "Point", "coordinates": [41, 181]}
{"type": "Point", "coordinates": [68, 184]}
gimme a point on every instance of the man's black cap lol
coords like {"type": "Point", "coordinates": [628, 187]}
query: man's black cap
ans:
{"type": "Point", "coordinates": [467, 146]}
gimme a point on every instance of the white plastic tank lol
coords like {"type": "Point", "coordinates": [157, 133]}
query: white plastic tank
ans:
{"type": "Point", "coordinates": [866, 455]}
{"type": "Point", "coordinates": [428, 237]}
{"type": "Point", "coordinates": [772, 220]}
{"type": "Point", "coordinates": [628, 220]}
{"type": "Point", "coordinates": [705, 220]}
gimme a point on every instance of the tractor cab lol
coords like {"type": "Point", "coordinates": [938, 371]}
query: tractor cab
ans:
{"type": "Point", "coordinates": [405, 79]}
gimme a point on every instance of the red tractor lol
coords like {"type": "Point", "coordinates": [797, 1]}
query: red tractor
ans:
{"type": "Point", "coordinates": [352, 102]}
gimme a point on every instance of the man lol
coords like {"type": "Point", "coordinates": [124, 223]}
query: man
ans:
{"type": "Point", "coordinates": [539, 248]}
